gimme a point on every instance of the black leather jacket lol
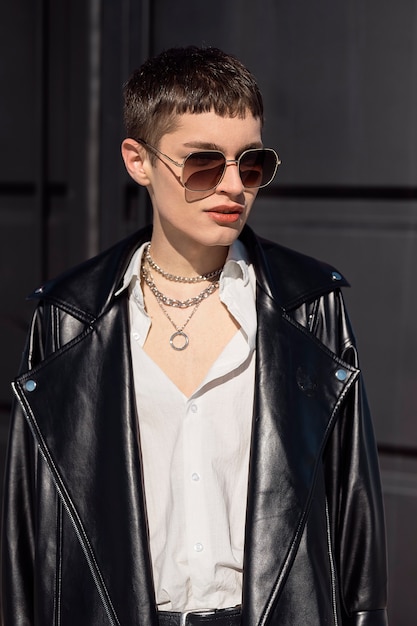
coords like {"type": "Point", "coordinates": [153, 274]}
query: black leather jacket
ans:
{"type": "Point", "coordinates": [75, 541]}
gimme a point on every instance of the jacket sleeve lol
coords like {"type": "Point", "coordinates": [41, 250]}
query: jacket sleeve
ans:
{"type": "Point", "coordinates": [25, 483]}
{"type": "Point", "coordinates": [353, 485]}
{"type": "Point", "coordinates": [18, 527]}
{"type": "Point", "coordinates": [18, 553]}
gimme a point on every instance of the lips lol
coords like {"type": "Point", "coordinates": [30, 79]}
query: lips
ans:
{"type": "Point", "coordinates": [226, 213]}
{"type": "Point", "coordinates": [236, 209]}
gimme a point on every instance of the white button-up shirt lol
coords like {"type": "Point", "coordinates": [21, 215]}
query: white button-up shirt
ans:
{"type": "Point", "coordinates": [196, 452]}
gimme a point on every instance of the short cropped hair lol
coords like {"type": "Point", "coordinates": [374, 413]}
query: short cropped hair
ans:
{"type": "Point", "coordinates": [187, 80]}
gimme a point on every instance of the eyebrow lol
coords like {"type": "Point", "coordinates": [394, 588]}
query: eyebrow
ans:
{"type": "Point", "coordinates": [203, 145]}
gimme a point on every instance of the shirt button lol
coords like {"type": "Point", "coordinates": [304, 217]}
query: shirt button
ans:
{"type": "Point", "coordinates": [198, 547]}
{"type": "Point", "coordinates": [136, 336]}
{"type": "Point", "coordinates": [195, 477]}
{"type": "Point", "coordinates": [194, 408]}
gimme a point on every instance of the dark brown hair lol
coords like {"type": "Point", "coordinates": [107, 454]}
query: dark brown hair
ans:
{"type": "Point", "coordinates": [187, 80]}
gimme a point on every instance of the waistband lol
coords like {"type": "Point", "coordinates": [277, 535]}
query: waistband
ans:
{"type": "Point", "coordinates": [202, 617]}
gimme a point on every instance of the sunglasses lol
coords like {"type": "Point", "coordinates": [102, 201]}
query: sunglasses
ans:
{"type": "Point", "coordinates": [203, 171]}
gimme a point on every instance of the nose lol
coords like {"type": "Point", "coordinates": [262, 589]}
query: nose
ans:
{"type": "Point", "coordinates": [231, 182]}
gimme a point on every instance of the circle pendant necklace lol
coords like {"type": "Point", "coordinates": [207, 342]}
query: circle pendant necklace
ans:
{"type": "Point", "coordinates": [179, 340]}
{"type": "Point", "coordinates": [179, 330]}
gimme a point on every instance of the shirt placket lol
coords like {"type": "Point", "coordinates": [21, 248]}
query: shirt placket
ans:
{"type": "Point", "coordinates": [196, 496]}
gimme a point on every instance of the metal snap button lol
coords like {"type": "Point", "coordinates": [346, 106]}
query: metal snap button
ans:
{"type": "Point", "coordinates": [30, 385]}
{"type": "Point", "coordinates": [341, 374]}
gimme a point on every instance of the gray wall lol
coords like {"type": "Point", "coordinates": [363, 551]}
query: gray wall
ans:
{"type": "Point", "coordinates": [340, 87]}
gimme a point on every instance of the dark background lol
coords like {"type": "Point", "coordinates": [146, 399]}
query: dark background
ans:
{"type": "Point", "coordinates": [340, 87]}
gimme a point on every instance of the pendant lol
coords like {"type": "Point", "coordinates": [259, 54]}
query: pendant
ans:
{"type": "Point", "coordinates": [181, 346]}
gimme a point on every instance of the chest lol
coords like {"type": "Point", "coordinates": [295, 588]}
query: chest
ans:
{"type": "Point", "coordinates": [185, 343]}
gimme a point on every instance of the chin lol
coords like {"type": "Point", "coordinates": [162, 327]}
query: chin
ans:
{"type": "Point", "coordinates": [227, 237]}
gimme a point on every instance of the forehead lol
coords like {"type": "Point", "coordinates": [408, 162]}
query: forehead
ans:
{"type": "Point", "coordinates": [194, 129]}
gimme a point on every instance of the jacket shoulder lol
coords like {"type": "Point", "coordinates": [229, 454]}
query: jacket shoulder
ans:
{"type": "Point", "coordinates": [84, 290]}
{"type": "Point", "coordinates": [293, 277]}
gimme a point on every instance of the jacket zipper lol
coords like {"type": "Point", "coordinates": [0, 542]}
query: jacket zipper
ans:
{"type": "Point", "coordinates": [332, 566]}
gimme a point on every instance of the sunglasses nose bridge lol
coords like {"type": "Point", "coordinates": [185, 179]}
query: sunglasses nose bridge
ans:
{"type": "Point", "coordinates": [235, 178]}
{"type": "Point", "coordinates": [228, 162]}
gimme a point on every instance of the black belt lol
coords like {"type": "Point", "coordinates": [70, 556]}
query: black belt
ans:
{"type": "Point", "coordinates": [202, 617]}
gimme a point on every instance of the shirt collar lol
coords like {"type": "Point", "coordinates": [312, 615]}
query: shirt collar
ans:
{"type": "Point", "coordinates": [132, 271]}
{"type": "Point", "coordinates": [237, 287]}
{"type": "Point", "coordinates": [238, 290]}
{"type": "Point", "coordinates": [236, 265]}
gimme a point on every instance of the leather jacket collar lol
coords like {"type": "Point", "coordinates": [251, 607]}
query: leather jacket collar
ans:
{"type": "Point", "coordinates": [288, 277]}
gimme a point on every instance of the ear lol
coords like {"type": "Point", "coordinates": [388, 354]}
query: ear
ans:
{"type": "Point", "coordinates": [136, 161]}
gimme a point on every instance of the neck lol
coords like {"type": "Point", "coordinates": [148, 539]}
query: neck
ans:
{"type": "Point", "coordinates": [187, 261]}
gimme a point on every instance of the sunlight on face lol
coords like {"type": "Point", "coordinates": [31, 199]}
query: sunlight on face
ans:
{"type": "Point", "coordinates": [202, 218]}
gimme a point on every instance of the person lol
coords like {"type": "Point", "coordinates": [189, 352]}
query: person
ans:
{"type": "Point", "coordinates": [191, 442]}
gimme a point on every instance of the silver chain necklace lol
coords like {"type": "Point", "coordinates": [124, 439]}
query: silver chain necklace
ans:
{"type": "Point", "coordinates": [179, 279]}
{"type": "Point", "coordinates": [181, 304]}
{"type": "Point", "coordinates": [164, 300]}
{"type": "Point", "coordinates": [179, 330]}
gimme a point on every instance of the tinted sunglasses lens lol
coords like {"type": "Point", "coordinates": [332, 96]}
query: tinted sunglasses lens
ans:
{"type": "Point", "coordinates": [257, 167]}
{"type": "Point", "coordinates": [203, 170]}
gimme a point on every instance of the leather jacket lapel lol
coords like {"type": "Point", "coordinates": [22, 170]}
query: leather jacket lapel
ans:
{"type": "Point", "coordinates": [296, 399]}
{"type": "Point", "coordinates": [82, 415]}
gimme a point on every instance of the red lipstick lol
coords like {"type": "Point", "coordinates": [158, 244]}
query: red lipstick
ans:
{"type": "Point", "coordinates": [225, 214]}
